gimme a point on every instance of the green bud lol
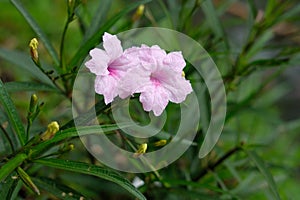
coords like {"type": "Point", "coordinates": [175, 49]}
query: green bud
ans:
{"type": "Point", "coordinates": [33, 103]}
{"type": "Point", "coordinates": [67, 148]}
{"type": "Point", "coordinates": [27, 180]}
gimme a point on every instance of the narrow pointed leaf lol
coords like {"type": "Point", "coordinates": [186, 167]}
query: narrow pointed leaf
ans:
{"type": "Point", "coordinates": [98, 18]}
{"type": "Point", "coordinates": [24, 62]}
{"type": "Point", "coordinates": [74, 132]}
{"type": "Point", "coordinates": [29, 86]}
{"type": "Point", "coordinates": [58, 190]}
{"type": "Point", "coordinates": [84, 168]}
{"type": "Point", "coordinates": [12, 114]}
{"type": "Point", "coordinates": [7, 188]}
{"type": "Point", "coordinates": [213, 19]}
{"type": "Point", "coordinates": [35, 27]}
{"type": "Point", "coordinates": [265, 172]}
{"type": "Point", "coordinates": [11, 165]}
{"type": "Point", "coordinates": [27, 180]}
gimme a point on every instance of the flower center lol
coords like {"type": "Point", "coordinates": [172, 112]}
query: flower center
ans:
{"type": "Point", "coordinates": [154, 81]}
{"type": "Point", "coordinates": [112, 71]}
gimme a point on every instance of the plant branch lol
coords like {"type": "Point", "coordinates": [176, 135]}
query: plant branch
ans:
{"type": "Point", "coordinates": [8, 138]}
{"type": "Point", "coordinates": [211, 167]}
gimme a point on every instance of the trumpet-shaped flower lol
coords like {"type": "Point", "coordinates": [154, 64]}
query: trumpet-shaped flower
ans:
{"type": "Point", "coordinates": [158, 78]}
{"type": "Point", "coordinates": [109, 65]}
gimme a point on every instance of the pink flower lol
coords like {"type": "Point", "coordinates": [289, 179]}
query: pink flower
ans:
{"type": "Point", "coordinates": [109, 65]}
{"type": "Point", "coordinates": [158, 78]}
{"type": "Point", "coordinates": [146, 70]}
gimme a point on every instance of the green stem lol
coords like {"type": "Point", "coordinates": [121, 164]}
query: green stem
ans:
{"type": "Point", "coordinates": [11, 165]}
{"type": "Point", "coordinates": [8, 138]}
{"type": "Point", "coordinates": [62, 61]}
{"type": "Point", "coordinates": [48, 75]}
{"type": "Point", "coordinates": [211, 167]}
{"type": "Point", "coordinates": [62, 45]}
{"type": "Point", "coordinates": [145, 161]}
{"type": "Point", "coordinates": [28, 127]}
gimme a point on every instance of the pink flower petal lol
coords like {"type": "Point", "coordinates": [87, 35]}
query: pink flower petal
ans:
{"type": "Point", "coordinates": [98, 63]}
{"type": "Point", "coordinates": [155, 98]}
{"type": "Point", "coordinates": [178, 87]}
{"type": "Point", "coordinates": [150, 57]}
{"type": "Point", "coordinates": [175, 60]}
{"type": "Point", "coordinates": [157, 52]}
{"type": "Point", "coordinates": [112, 46]}
{"type": "Point", "coordinates": [107, 86]}
{"type": "Point", "coordinates": [133, 82]}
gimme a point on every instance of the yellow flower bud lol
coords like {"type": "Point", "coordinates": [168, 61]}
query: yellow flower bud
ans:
{"type": "Point", "coordinates": [33, 45]}
{"type": "Point", "coordinates": [140, 10]}
{"type": "Point", "coordinates": [138, 13]}
{"type": "Point", "coordinates": [141, 150]}
{"type": "Point", "coordinates": [160, 143]}
{"type": "Point", "coordinates": [52, 129]}
{"type": "Point", "coordinates": [71, 147]}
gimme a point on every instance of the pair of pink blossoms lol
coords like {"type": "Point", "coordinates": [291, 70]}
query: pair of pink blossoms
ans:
{"type": "Point", "coordinates": [158, 76]}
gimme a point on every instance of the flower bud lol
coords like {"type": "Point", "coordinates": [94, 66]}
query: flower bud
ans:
{"type": "Point", "coordinates": [33, 103]}
{"type": "Point", "coordinates": [138, 13]}
{"type": "Point", "coordinates": [141, 150]}
{"type": "Point", "coordinates": [27, 180]}
{"type": "Point", "coordinates": [67, 148]}
{"type": "Point", "coordinates": [52, 129]}
{"type": "Point", "coordinates": [71, 147]}
{"type": "Point", "coordinates": [160, 143]}
{"type": "Point", "coordinates": [33, 45]}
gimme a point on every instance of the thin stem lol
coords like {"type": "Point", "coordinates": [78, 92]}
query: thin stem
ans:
{"type": "Point", "coordinates": [49, 76]}
{"type": "Point", "coordinates": [28, 128]}
{"type": "Point", "coordinates": [211, 167]}
{"type": "Point", "coordinates": [8, 138]}
{"type": "Point", "coordinates": [62, 45]}
{"type": "Point", "coordinates": [144, 160]}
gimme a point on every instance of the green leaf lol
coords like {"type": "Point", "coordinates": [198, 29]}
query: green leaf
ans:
{"type": "Point", "coordinates": [175, 183]}
{"type": "Point", "coordinates": [264, 171]}
{"type": "Point", "coordinates": [98, 18]}
{"type": "Point", "coordinates": [24, 62]}
{"type": "Point", "coordinates": [35, 27]}
{"type": "Point", "coordinates": [293, 12]}
{"type": "Point", "coordinates": [58, 190]}
{"type": "Point", "coordinates": [11, 165]}
{"type": "Point", "coordinates": [12, 114]}
{"type": "Point", "coordinates": [7, 187]}
{"type": "Point", "coordinates": [273, 62]}
{"type": "Point", "coordinates": [259, 44]}
{"type": "Point", "coordinates": [27, 180]}
{"type": "Point", "coordinates": [96, 38]}
{"type": "Point", "coordinates": [73, 132]}
{"type": "Point", "coordinates": [252, 9]}
{"type": "Point", "coordinates": [213, 19]}
{"type": "Point", "coordinates": [29, 86]}
{"type": "Point", "coordinates": [84, 168]}
{"type": "Point", "coordinates": [86, 117]}
{"type": "Point", "coordinates": [271, 4]}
